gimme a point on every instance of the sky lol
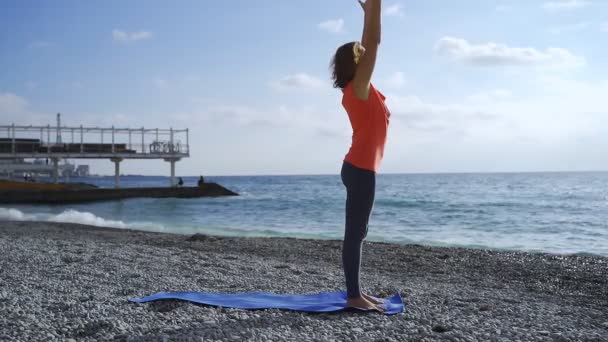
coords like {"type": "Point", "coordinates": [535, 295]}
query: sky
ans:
{"type": "Point", "coordinates": [472, 85]}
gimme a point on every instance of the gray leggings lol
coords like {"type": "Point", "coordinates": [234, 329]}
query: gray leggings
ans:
{"type": "Point", "coordinates": [360, 190]}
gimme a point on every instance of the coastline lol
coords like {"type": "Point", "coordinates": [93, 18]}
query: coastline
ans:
{"type": "Point", "coordinates": [63, 281]}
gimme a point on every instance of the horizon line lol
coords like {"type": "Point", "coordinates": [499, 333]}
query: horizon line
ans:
{"type": "Point", "coordinates": [380, 173]}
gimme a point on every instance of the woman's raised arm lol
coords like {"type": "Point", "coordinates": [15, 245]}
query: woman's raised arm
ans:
{"type": "Point", "coordinates": [370, 41]}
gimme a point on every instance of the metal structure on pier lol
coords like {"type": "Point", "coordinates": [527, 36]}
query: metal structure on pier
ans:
{"type": "Point", "coordinates": [113, 143]}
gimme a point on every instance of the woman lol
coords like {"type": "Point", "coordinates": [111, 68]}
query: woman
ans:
{"type": "Point", "coordinates": [353, 66]}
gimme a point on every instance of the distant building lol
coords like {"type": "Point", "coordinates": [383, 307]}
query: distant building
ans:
{"type": "Point", "coordinates": [19, 168]}
{"type": "Point", "coordinates": [82, 171]}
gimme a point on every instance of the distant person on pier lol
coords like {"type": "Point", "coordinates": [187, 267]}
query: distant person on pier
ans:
{"type": "Point", "coordinates": [180, 182]}
{"type": "Point", "coordinates": [201, 181]}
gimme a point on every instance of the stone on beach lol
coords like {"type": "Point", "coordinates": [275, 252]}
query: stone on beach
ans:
{"type": "Point", "coordinates": [72, 282]}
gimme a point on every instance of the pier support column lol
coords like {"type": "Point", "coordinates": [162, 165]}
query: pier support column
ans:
{"type": "Point", "coordinates": [172, 161]}
{"type": "Point", "coordinates": [55, 170]}
{"type": "Point", "coordinates": [173, 173]}
{"type": "Point", "coordinates": [116, 162]}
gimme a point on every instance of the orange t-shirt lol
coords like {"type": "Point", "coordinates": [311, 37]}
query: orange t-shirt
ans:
{"type": "Point", "coordinates": [369, 120]}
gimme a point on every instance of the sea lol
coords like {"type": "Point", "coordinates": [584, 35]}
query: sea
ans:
{"type": "Point", "coordinates": [559, 213]}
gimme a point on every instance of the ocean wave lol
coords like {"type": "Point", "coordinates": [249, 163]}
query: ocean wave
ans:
{"type": "Point", "coordinates": [405, 203]}
{"type": "Point", "coordinates": [90, 219]}
{"type": "Point", "coordinates": [515, 238]}
{"type": "Point", "coordinates": [11, 214]}
{"type": "Point", "coordinates": [73, 216]}
{"type": "Point", "coordinates": [67, 216]}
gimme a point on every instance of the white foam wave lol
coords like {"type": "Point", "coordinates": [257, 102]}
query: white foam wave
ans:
{"type": "Point", "coordinates": [11, 214]}
{"type": "Point", "coordinates": [68, 216]}
{"type": "Point", "coordinates": [73, 216]}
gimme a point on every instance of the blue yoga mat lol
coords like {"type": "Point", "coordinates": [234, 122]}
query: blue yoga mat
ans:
{"type": "Point", "coordinates": [319, 302]}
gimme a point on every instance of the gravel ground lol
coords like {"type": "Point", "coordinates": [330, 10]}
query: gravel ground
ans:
{"type": "Point", "coordinates": [70, 282]}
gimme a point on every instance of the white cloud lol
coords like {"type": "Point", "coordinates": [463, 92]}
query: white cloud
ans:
{"type": "Point", "coordinates": [427, 116]}
{"type": "Point", "coordinates": [396, 80]}
{"type": "Point", "coordinates": [182, 82]}
{"type": "Point", "coordinates": [271, 139]}
{"type": "Point", "coordinates": [493, 54]}
{"type": "Point", "coordinates": [395, 10]}
{"type": "Point", "coordinates": [314, 120]}
{"type": "Point", "coordinates": [301, 81]}
{"type": "Point", "coordinates": [124, 36]}
{"type": "Point", "coordinates": [16, 109]}
{"type": "Point", "coordinates": [107, 119]}
{"type": "Point", "coordinates": [160, 83]}
{"type": "Point", "coordinates": [40, 45]}
{"type": "Point", "coordinates": [568, 95]}
{"type": "Point", "coordinates": [561, 126]}
{"type": "Point", "coordinates": [509, 130]}
{"type": "Point", "coordinates": [570, 28]}
{"type": "Point", "coordinates": [12, 104]}
{"type": "Point", "coordinates": [31, 85]}
{"type": "Point", "coordinates": [232, 114]}
{"type": "Point", "coordinates": [192, 78]}
{"type": "Point", "coordinates": [489, 96]}
{"type": "Point", "coordinates": [565, 5]}
{"type": "Point", "coordinates": [564, 112]}
{"type": "Point", "coordinates": [333, 25]}
{"type": "Point", "coordinates": [239, 113]}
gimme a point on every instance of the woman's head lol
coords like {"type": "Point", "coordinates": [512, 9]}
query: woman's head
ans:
{"type": "Point", "coordinates": [344, 63]}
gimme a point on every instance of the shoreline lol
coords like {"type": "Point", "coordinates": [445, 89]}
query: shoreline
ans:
{"type": "Point", "coordinates": [73, 281]}
{"type": "Point", "coordinates": [311, 237]}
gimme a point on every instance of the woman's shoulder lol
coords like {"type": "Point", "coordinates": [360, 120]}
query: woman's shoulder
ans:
{"type": "Point", "coordinates": [376, 91]}
{"type": "Point", "coordinates": [348, 88]}
{"type": "Point", "coordinates": [349, 97]}
{"type": "Point", "coordinates": [349, 92]}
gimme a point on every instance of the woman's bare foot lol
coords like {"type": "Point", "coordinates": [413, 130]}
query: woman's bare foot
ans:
{"type": "Point", "coordinates": [372, 299]}
{"type": "Point", "coordinates": [362, 303]}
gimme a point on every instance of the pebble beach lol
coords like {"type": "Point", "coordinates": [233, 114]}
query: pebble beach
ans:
{"type": "Point", "coordinates": [69, 282]}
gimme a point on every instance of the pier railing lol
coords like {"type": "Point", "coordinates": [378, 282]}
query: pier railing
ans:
{"type": "Point", "coordinates": [93, 142]}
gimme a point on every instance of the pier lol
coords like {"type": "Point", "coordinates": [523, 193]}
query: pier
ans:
{"type": "Point", "coordinates": [68, 196]}
{"type": "Point", "coordinates": [117, 144]}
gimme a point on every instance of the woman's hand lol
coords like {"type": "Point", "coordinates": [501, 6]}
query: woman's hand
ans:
{"type": "Point", "coordinates": [363, 5]}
